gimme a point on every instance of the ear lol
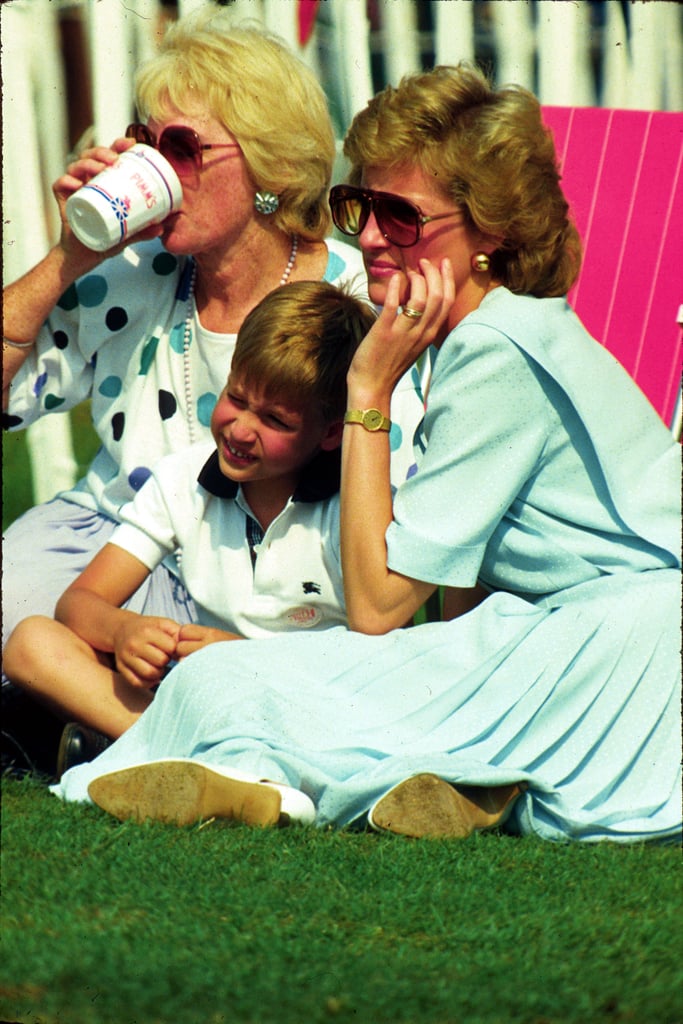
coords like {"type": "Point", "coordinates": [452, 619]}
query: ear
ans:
{"type": "Point", "coordinates": [332, 437]}
{"type": "Point", "coordinates": [489, 243]}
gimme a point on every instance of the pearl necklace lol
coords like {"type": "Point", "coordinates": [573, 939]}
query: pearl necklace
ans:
{"type": "Point", "coordinates": [187, 333]}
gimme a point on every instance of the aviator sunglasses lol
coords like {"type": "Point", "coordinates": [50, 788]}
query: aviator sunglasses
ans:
{"type": "Point", "coordinates": [178, 143]}
{"type": "Point", "coordinates": [399, 220]}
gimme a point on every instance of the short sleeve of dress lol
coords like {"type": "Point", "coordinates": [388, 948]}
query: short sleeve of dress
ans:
{"type": "Point", "coordinates": [485, 427]}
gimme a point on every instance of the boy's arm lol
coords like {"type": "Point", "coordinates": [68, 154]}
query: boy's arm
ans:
{"type": "Point", "coordinates": [90, 606]}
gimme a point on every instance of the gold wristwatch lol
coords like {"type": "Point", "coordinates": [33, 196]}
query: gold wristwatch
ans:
{"type": "Point", "coordinates": [371, 419]}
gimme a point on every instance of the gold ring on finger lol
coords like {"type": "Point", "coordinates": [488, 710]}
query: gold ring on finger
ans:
{"type": "Point", "coordinates": [412, 314]}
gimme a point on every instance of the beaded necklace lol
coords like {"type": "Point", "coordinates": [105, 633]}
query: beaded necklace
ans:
{"type": "Point", "coordinates": [187, 333]}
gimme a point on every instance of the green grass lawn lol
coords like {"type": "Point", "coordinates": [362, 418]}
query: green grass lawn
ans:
{"type": "Point", "coordinates": [17, 491]}
{"type": "Point", "coordinates": [110, 923]}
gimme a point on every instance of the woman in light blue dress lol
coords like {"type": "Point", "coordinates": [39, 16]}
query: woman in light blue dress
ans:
{"type": "Point", "coordinates": [545, 484]}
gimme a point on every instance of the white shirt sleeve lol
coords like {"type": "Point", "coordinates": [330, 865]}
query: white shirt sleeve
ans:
{"type": "Point", "coordinates": [154, 522]}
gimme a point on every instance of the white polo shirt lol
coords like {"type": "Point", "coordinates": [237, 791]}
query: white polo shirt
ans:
{"type": "Point", "coordinates": [189, 508]}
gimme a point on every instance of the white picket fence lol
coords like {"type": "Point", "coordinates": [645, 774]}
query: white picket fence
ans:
{"type": "Point", "coordinates": [569, 53]}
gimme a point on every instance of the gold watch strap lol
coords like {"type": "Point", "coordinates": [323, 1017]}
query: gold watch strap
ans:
{"type": "Point", "coordinates": [370, 419]}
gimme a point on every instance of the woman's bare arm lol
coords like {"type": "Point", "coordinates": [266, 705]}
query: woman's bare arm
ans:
{"type": "Point", "coordinates": [377, 598]}
{"type": "Point", "coordinates": [28, 301]}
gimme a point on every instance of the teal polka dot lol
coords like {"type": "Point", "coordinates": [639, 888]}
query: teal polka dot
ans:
{"type": "Point", "coordinates": [395, 437]}
{"type": "Point", "coordinates": [53, 401]}
{"type": "Point", "coordinates": [164, 263]}
{"type": "Point", "coordinates": [335, 266]}
{"type": "Point", "coordinates": [111, 387]}
{"type": "Point", "coordinates": [147, 357]}
{"type": "Point", "coordinates": [177, 338]}
{"type": "Point", "coordinates": [92, 290]}
{"type": "Point", "coordinates": [205, 406]}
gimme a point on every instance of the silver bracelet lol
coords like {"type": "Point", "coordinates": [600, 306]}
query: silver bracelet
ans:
{"type": "Point", "coordinates": [18, 344]}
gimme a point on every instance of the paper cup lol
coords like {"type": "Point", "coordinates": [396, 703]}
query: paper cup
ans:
{"type": "Point", "coordinates": [141, 188]}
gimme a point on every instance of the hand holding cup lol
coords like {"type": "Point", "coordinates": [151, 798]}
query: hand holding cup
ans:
{"type": "Point", "coordinates": [138, 189]}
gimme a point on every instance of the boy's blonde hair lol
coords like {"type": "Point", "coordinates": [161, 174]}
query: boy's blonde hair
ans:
{"type": "Point", "coordinates": [265, 96]}
{"type": "Point", "coordinates": [297, 345]}
{"type": "Point", "coordinates": [490, 153]}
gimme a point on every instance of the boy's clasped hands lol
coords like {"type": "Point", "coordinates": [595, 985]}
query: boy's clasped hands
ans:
{"type": "Point", "coordinates": [145, 646]}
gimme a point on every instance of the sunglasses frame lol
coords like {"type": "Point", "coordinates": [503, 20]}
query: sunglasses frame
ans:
{"type": "Point", "coordinates": [141, 133]}
{"type": "Point", "coordinates": [371, 198]}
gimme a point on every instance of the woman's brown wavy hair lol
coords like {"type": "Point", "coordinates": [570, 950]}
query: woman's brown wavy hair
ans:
{"type": "Point", "coordinates": [493, 157]}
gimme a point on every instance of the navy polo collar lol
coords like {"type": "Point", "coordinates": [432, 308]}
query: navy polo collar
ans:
{"type": "Point", "coordinates": [319, 480]}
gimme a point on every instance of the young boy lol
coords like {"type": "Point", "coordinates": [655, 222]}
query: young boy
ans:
{"type": "Point", "coordinates": [253, 521]}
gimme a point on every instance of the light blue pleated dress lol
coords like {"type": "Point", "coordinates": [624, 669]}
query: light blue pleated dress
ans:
{"type": "Point", "coordinates": [544, 473]}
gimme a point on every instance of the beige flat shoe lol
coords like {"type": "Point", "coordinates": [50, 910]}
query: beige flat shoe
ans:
{"type": "Point", "coordinates": [426, 805]}
{"type": "Point", "coordinates": [182, 792]}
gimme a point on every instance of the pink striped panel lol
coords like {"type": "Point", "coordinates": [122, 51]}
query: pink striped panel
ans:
{"type": "Point", "coordinates": [622, 172]}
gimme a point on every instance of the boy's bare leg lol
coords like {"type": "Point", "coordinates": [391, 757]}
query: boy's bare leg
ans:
{"type": "Point", "coordinates": [54, 665]}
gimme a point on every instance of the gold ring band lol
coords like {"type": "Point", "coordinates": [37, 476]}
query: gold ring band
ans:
{"type": "Point", "coordinates": [412, 314]}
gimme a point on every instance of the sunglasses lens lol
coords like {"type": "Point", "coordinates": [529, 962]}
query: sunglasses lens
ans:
{"type": "Point", "coordinates": [181, 148]}
{"type": "Point", "coordinates": [398, 220]}
{"type": "Point", "coordinates": [141, 133]}
{"type": "Point", "coordinates": [350, 213]}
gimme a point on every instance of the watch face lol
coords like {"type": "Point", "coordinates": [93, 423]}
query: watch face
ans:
{"type": "Point", "coordinates": [372, 419]}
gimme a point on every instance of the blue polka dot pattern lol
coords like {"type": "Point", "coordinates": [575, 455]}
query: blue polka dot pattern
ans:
{"type": "Point", "coordinates": [205, 407]}
{"type": "Point", "coordinates": [164, 263]}
{"type": "Point", "coordinates": [411, 471]}
{"type": "Point", "coordinates": [111, 387]}
{"type": "Point", "coordinates": [137, 477]}
{"type": "Point", "coordinates": [395, 437]}
{"type": "Point", "coordinates": [116, 318]}
{"type": "Point", "coordinates": [53, 402]}
{"type": "Point", "coordinates": [167, 404]}
{"type": "Point", "coordinates": [177, 338]}
{"type": "Point", "coordinates": [118, 422]}
{"type": "Point", "coordinates": [147, 356]}
{"type": "Point", "coordinates": [92, 291]}
{"type": "Point", "coordinates": [335, 266]}
{"type": "Point", "coordinates": [69, 300]}
{"type": "Point", "coordinates": [39, 383]}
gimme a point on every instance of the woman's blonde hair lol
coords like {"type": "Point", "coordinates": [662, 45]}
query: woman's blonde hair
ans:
{"type": "Point", "coordinates": [265, 96]}
{"type": "Point", "coordinates": [490, 152]}
{"type": "Point", "coordinates": [297, 345]}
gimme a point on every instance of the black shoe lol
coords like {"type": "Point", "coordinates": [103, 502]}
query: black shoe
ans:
{"type": "Point", "coordinates": [30, 735]}
{"type": "Point", "coordinates": [78, 745]}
